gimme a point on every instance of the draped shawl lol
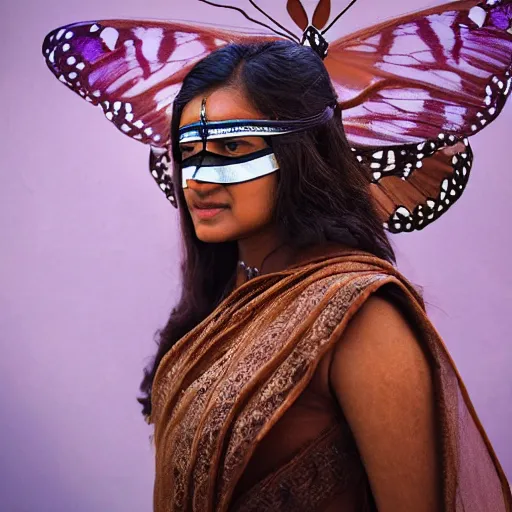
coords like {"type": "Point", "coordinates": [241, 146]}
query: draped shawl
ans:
{"type": "Point", "coordinates": [223, 386]}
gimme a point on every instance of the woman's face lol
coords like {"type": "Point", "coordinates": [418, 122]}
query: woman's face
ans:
{"type": "Point", "coordinates": [249, 204]}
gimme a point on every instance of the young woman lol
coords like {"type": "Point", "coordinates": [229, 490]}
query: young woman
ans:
{"type": "Point", "coordinates": [299, 370]}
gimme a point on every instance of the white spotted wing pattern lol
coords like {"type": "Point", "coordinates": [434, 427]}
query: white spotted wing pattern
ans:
{"type": "Point", "coordinates": [133, 70]}
{"type": "Point", "coordinates": [412, 90]}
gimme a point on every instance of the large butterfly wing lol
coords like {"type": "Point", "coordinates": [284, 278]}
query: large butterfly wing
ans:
{"type": "Point", "coordinates": [412, 89]}
{"type": "Point", "coordinates": [133, 70]}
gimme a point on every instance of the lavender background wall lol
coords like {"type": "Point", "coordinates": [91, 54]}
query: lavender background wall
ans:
{"type": "Point", "coordinates": [88, 272]}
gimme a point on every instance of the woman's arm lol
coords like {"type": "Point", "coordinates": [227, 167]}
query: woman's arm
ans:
{"type": "Point", "coordinates": [382, 381]}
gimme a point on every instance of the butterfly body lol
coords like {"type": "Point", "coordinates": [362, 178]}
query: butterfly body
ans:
{"type": "Point", "coordinates": [411, 89]}
{"type": "Point", "coordinates": [313, 37]}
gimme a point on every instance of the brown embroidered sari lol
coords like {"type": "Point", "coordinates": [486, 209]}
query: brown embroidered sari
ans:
{"type": "Point", "coordinates": [244, 419]}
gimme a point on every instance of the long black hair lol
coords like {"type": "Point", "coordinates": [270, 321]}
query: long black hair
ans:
{"type": "Point", "coordinates": [322, 192]}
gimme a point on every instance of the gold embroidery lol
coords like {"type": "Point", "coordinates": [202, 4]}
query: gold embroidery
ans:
{"type": "Point", "coordinates": [225, 384]}
{"type": "Point", "coordinates": [327, 466]}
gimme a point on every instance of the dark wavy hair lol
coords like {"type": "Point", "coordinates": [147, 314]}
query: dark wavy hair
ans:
{"type": "Point", "coordinates": [322, 193]}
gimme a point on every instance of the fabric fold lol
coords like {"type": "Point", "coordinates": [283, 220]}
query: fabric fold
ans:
{"type": "Point", "coordinates": [224, 385]}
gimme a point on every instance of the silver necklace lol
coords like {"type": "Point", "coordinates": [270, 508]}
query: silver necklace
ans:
{"type": "Point", "coordinates": [250, 272]}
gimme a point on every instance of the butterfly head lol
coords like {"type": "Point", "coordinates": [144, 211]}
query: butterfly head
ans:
{"type": "Point", "coordinates": [313, 37]}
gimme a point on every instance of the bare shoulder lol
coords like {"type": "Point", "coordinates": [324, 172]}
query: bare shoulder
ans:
{"type": "Point", "coordinates": [383, 382]}
{"type": "Point", "coordinates": [379, 329]}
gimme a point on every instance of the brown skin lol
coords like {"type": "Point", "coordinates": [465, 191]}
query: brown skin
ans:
{"type": "Point", "coordinates": [384, 384]}
{"type": "Point", "coordinates": [378, 360]}
{"type": "Point", "coordinates": [249, 216]}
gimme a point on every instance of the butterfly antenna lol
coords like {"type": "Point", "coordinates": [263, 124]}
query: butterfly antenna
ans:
{"type": "Point", "coordinates": [259, 9]}
{"type": "Point", "coordinates": [339, 16]}
{"type": "Point", "coordinates": [249, 18]}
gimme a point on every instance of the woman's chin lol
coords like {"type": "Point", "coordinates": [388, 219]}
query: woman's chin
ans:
{"type": "Point", "coordinates": [213, 235]}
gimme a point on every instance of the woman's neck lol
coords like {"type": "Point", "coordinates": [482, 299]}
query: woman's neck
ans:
{"type": "Point", "coordinates": [263, 251]}
{"type": "Point", "coordinates": [283, 256]}
{"type": "Point", "coordinates": [253, 249]}
{"type": "Point", "coordinates": [274, 260]}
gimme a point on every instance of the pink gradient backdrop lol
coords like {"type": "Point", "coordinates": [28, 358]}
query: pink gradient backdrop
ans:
{"type": "Point", "coordinates": [89, 270]}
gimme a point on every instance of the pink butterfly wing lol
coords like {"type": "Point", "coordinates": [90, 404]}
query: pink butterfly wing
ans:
{"type": "Point", "coordinates": [412, 89]}
{"type": "Point", "coordinates": [446, 69]}
{"type": "Point", "coordinates": [133, 71]}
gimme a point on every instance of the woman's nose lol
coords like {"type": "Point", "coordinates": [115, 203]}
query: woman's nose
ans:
{"type": "Point", "coordinates": [201, 186]}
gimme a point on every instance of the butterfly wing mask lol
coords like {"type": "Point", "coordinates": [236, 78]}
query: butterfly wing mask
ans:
{"type": "Point", "coordinates": [412, 89]}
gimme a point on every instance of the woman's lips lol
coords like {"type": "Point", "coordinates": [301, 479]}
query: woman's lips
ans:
{"type": "Point", "coordinates": [208, 213]}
